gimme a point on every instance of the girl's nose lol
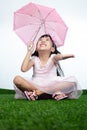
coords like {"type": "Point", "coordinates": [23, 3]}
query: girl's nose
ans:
{"type": "Point", "coordinates": [43, 41]}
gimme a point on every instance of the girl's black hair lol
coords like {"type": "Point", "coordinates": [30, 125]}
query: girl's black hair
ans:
{"type": "Point", "coordinates": [59, 70]}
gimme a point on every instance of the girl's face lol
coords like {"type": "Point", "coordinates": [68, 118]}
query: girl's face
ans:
{"type": "Point", "coordinates": [44, 43]}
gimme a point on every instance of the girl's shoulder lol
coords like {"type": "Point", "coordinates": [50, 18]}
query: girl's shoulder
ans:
{"type": "Point", "coordinates": [34, 58]}
{"type": "Point", "coordinates": [52, 55]}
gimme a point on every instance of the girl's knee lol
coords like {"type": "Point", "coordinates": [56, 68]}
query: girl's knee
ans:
{"type": "Point", "coordinates": [17, 80]}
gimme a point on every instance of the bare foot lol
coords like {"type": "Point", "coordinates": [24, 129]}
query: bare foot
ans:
{"type": "Point", "coordinates": [37, 92]}
{"type": "Point", "coordinates": [59, 96]}
{"type": "Point", "coordinates": [30, 95]}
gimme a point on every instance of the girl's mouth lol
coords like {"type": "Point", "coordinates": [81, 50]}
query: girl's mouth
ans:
{"type": "Point", "coordinates": [42, 45]}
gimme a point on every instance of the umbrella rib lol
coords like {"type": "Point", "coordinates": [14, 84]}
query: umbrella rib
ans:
{"type": "Point", "coordinates": [39, 13]}
{"type": "Point", "coordinates": [28, 15]}
{"type": "Point", "coordinates": [51, 21]}
{"type": "Point", "coordinates": [49, 14]}
{"type": "Point", "coordinates": [55, 22]}
{"type": "Point", "coordinates": [50, 25]}
{"type": "Point", "coordinates": [26, 26]}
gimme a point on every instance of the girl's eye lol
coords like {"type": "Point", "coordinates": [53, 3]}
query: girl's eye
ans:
{"type": "Point", "coordinates": [47, 39]}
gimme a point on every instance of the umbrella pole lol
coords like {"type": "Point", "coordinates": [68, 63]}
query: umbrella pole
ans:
{"type": "Point", "coordinates": [36, 33]}
{"type": "Point", "coordinates": [34, 37]}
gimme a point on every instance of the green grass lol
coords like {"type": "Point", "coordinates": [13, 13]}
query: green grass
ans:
{"type": "Point", "coordinates": [42, 114]}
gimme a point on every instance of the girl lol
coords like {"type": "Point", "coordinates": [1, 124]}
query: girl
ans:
{"type": "Point", "coordinates": [45, 79]}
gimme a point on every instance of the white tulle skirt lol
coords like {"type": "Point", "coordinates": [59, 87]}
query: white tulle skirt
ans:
{"type": "Point", "coordinates": [52, 85]}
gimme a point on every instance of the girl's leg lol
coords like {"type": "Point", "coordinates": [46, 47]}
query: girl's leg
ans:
{"type": "Point", "coordinates": [29, 90]}
{"type": "Point", "coordinates": [23, 84]}
{"type": "Point", "coordinates": [66, 86]}
{"type": "Point", "coordinates": [64, 90]}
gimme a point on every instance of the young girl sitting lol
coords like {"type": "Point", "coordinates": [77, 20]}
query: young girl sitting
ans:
{"type": "Point", "coordinates": [46, 79]}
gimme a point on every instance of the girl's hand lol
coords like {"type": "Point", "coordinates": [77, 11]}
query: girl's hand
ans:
{"type": "Point", "coordinates": [62, 57]}
{"type": "Point", "coordinates": [66, 56]}
{"type": "Point", "coordinates": [30, 47]}
{"type": "Point", "coordinates": [71, 56]}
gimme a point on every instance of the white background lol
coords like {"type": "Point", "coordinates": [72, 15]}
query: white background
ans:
{"type": "Point", "coordinates": [13, 50]}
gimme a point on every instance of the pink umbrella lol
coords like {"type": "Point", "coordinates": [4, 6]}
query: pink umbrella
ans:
{"type": "Point", "coordinates": [33, 20]}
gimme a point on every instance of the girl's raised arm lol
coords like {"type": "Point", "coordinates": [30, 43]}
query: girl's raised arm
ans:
{"type": "Point", "coordinates": [27, 62]}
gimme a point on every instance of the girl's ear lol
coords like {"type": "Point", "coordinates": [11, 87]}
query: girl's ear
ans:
{"type": "Point", "coordinates": [52, 49]}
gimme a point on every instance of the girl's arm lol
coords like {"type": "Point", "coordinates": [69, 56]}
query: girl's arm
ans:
{"type": "Point", "coordinates": [63, 56]}
{"type": "Point", "coordinates": [27, 62]}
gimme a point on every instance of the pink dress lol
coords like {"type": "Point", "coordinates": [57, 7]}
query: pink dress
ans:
{"type": "Point", "coordinates": [45, 79]}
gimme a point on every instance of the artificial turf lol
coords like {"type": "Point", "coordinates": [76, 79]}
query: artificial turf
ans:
{"type": "Point", "coordinates": [42, 114]}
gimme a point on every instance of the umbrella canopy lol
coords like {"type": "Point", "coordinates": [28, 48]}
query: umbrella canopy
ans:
{"type": "Point", "coordinates": [34, 20]}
